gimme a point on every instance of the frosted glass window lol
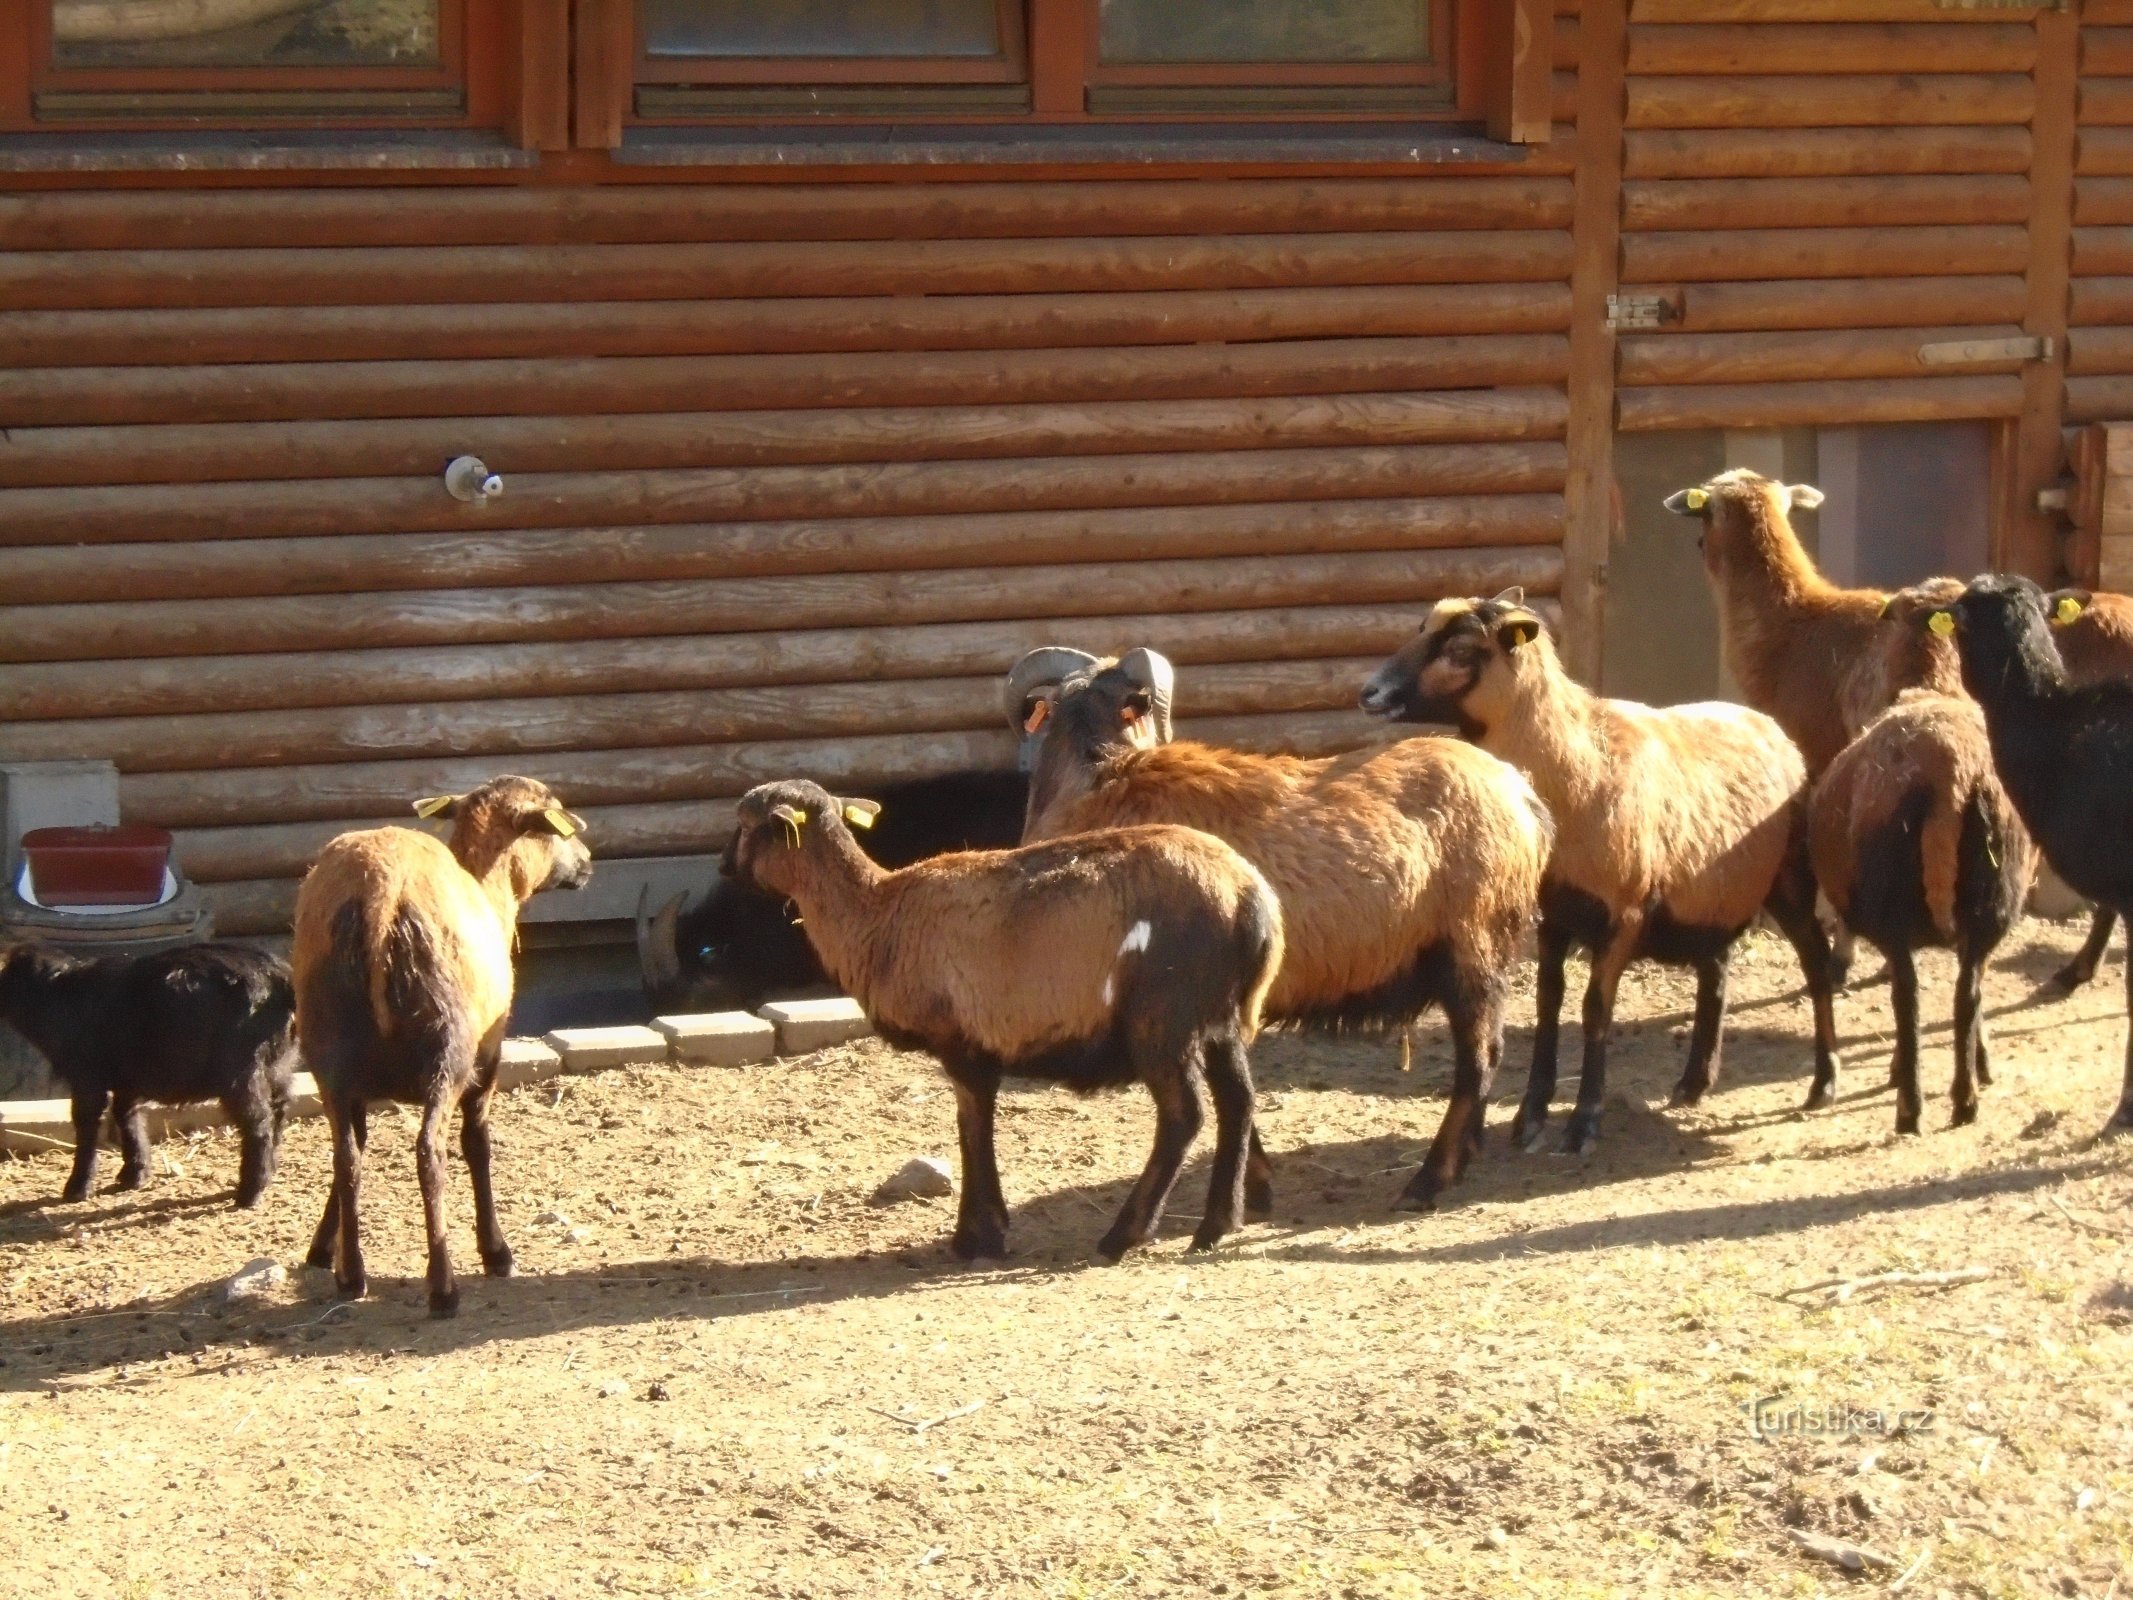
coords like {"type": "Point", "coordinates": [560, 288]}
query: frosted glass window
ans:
{"type": "Point", "coordinates": [245, 33]}
{"type": "Point", "coordinates": [821, 28]}
{"type": "Point", "coordinates": [1317, 32]}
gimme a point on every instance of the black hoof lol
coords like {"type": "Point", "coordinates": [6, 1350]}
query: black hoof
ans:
{"type": "Point", "coordinates": [1111, 1249]}
{"type": "Point", "coordinates": [1820, 1095]}
{"type": "Point", "coordinates": [1984, 1076]}
{"type": "Point", "coordinates": [499, 1265]}
{"type": "Point", "coordinates": [1580, 1137]}
{"type": "Point", "coordinates": [74, 1191]}
{"type": "Point", "coordinates": [1964, 1115]}
{"type": "Point", "coordinates": [1528, 1129]}
{"type": "Point", "coordinates": [1258, 1200]}
{"type": "Point", "coordinates": [353, 1288]}
{"type": "Point", "coordinates": [131, 1180]}
{"type": "Point", "coordinates": [2072, 976]}
{"type": "Point", "coordinates": [2119, 1126]}
{"type": "Point", "coordinates": [446, 1304]}
{"type": "Point", "coordinates": [978, 1247]}
{"type": "Point", "coordinates": [1205, 1240]}
{"type": "Point", "coordinates": [250, 1202]}
{"type": "Point", "coordinates": [1420, 1194]}
{"type": "Point", "coordinates": [321, 1259]}
{"type": "Point", "coordinates": [1687, 1094]}
{"type": "Point", "coordinates": [1907, 1127]}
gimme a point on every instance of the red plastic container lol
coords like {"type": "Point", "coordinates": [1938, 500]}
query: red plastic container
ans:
{"type": "Point", "coordinates": [120, 866]}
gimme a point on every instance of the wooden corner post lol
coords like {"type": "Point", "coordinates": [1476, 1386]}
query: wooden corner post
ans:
{"type": "Point", "coordinates": [1596, 231]}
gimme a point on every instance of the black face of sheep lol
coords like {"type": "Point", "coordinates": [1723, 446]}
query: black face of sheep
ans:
{"type": "Point", "coordinates": [1435, 676]}
{"type": "Point", "coordinates": [738, 947]}
{"type": "Point", "coordinates": [1122, 705]}
{"type": "Point", "coordinates": [2002, 628]}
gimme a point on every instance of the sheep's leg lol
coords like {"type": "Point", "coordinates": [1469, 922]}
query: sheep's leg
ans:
{"type": "Point", "coordinates": [257, 1114]}
{"type": "Point", "coordinates": [1707, 1035]}
{"type": "Point", "coordinates": [1609, 962]}
{"type": "Point", "coordinates": [430, 1170]}
{"type": "Point", "coordinates": [496, 1258]}
{"type": "Point", "coordinates": [1969, 1038]}
{"type": "Point", "coordinates": [1229, 1082]}
{"type": "Point", "coordinates": [1791, 906]}
{"type": "Point", "coordinates": [89, 1107]}
{"type": "Point", "coordinates": [132, 1124]}
{"type": "Point", "coordinates": [1903, 1071]}
{"type": "Point", "coordinates": [1476, 1019]}
{"type": "Point", "coordinates": [2122, 1120]}
{"type": "Point", "coordinates": [351, 1134]}
{"type": "Point", "coordinates": [1258, 1179]}
{"type": "Point", "coordinates": [1177, 1123]}
{"type": "Point", "coordinates": [1532, 1115]}
{"type": "Point", "coordinates": [981, 1216]}
{"type": "Point", "coordinates": [2083, 967]}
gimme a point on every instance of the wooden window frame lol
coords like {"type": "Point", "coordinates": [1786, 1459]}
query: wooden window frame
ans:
{"type": "Point", "coordinates": [483, 47]}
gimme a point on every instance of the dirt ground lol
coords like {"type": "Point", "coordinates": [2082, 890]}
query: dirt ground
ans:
{"type": "Point", "coordinates": [722, 1371]}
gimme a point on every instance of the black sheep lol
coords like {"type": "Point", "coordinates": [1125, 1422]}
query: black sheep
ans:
{"type": "Point", "coordinates": [2064, 752]}
{"type": "Point", "coordinates": [203, 1022]}
{"type": "Point", "coordinates": [739, 947]}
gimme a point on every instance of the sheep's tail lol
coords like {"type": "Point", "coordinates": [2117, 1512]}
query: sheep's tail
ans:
{"type": "Point", "coordinates": [1263, 940]}
{"type": "Point", "coordinates": [1940, 855]}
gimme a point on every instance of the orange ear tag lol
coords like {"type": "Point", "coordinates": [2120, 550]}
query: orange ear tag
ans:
{"type": "Point", "coordinates": [1039, 714]}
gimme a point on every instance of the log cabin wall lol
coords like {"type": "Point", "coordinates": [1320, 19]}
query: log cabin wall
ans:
{"type": "Point", "coordinates": [794, 469]}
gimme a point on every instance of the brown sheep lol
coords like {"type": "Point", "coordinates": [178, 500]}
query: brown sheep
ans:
{"type": "Point", "coordinates": [1913, 839]}
{"type": "Point", "coordinates": [403, 984]}
{"type": "Point", "coordinates": [1133, 955]}
{"type": "Point", "coordinates": [1407, 876]}
{"type": "Point", "coordinates": [2094, 633]}
{"type": "Point", "coordinates": [1673, 829]}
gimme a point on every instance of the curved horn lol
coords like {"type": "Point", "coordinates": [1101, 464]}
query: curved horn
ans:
{"type": "Point", "coordinates": [1153, 672]}
{"type": "Point", "coordinates": [1044, 666]}
{"type": "Point", "coordinates": [658, 948]}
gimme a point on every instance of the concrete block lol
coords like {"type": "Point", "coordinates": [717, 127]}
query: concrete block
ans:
{"type": "Point", "coordinates": [805, 1025]}
{"type": "Point", "coordinates": [29, 1126]}
{"type": "Point", "coordinates": [526, 1061]}
{"type": "Point", "coordinates": [719, 1038]}
{"type": "Point", "coordinates": [590, 1049]}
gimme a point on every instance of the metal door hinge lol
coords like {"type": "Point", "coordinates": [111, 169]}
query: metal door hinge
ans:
{"type": "Point", "coordinates": [1960, 352]}
{"type": "Point", "coordinates": [1625, 311]}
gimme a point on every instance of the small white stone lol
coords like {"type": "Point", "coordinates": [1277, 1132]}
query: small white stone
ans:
{"type": "Point", "coordinates": [257, 1279]}
{"type": "Point", "coordinates": [922, 1177]}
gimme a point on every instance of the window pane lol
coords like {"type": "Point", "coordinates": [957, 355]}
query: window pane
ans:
{"type": "Point", "coordinates": [1177, 32]}
{"type": "Point", "coordinates": [245, 33]}
{"type": "Point", "coordinates": [821, 27]}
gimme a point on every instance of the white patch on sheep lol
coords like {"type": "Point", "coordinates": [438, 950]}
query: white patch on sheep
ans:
{"type": "Point", "coordinates": [1136, 938]}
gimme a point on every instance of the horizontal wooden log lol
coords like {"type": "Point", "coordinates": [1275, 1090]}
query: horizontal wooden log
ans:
{"type": "Point", "coordinates": [1830, 100]}
{"type": "Point", "coordinates": [1832, 47]}
{"type": "Point", "coordinates": [2099, 399]}
{"type": "Point", "coordinates": [61, 280]}
{"type": "Point", "coordinates": [227, 451]}
{"type": "Point", "coordinates": [273, 392]}
{"type": "Point", "coordinates": [2107, 52]}
{"type": "Point", "coordinates": [1763, 253]}
{"type": "Point", "coordinates": [616, 610]}
{"type": "Point", "coordinates": [1813, 303]}
{"type": "Point", "coordinates": [2104, 152]}
{"type": "Point", "coordinates": [638, 777]}
{"type": "Point", "coordinates": [2105, 102]}
{"type": "Point", "coordinates": [225, 568]}
{"type": "Point", "coordinates": [1821, 152]}
{"type": "Point", "coordinates": [280, 682]}
{"type": "Point", "coordinates": [2099, 350]}
{"type": "Point", "coordinates": [636, 720]}
{"type": "Point", "coordinates": [2103, 201]}
{"type": "Point", "coordinates": [1794, 11]}
{"type": "Point", "coordinates": [214, 336]}
{"type": "Point", "coordinates": [198, 219]}
{"type": "Point", "coordinates": [1740, 358]}
{"type": "Point", "coordinates": [2103, 252]}
{"type": "Point", "coordinates": [144, 513]}
{"type": "Point", "coordinates": [1786, 405]}
{"type": "Point", "coordinates": [1651, 205]}
{"type": "Point", "coordinates": [2092, 301]}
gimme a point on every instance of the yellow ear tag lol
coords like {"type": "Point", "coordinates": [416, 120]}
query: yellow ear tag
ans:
{"type": "Point", "coordinates": [1941, 623]}
{"type": "Point", "coordinates": [858, 816]}
{"type": "Point", "coordinates": [1696, 499]}
{"type": "Point", "coordinates": [434, 805]}
{"type": "Point", "coordinates": [561, 821]}
{"type": "Point", "coordinates": [1888, 607]}
{"type": "Point", "coordinates": [2066, 610]}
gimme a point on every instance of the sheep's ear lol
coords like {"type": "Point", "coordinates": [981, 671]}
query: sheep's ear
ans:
{"type": "Point", "coordinates": [437, 805]}
{"type": "Point", "coordinates": [1688, 502]}
{"type": "Point", "coordinates": [860, 813]}
{"type": "Point", "coordinates": [1134, 707]}
{"type": "Point", "coordinates": [1513, 596]}
{"type": "Point", "coordinates": [1888, 608]}
{"type": "Point", "coordinates": [2067, 605]}
{"type": "Point", "coordinates": [1520, 629]}
{"type": "Point", "coordinates": [557, 821]}
{"type": "Point", "coordinates": [1804, 496]}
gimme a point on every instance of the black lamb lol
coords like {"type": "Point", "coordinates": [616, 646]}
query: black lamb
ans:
{"type": "Point", "coordinates": [2064, 751]}
{"type": "Point", "coordinates": [203, 1022]}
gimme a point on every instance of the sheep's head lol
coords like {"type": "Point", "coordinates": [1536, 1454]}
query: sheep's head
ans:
{"type": "Point", "coordinates": [1744, 519]}
{"type": "Point", "coordinates": [1099, 710]}
{"type": "Point", "coordinates": [2002, 627]}
{"type": "Point", "coordinates": [777, 825]}
{"type": "Point", "coordinates": [1463, 667]}
{"type": "Point", "coordinates": [520, 823]}
{"type": "Point", "coordinates": [1036, 683]}
{"type": "Point", "coordinates": [1903, 654]}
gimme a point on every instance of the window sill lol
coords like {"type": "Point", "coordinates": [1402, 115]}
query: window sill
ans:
{"type": "Point", "coordinates": [296, 150]}
{"type": "Point", "coordinates": [1111, 144]}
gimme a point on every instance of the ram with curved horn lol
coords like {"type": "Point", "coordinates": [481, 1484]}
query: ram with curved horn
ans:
{"type": "Point", "coordinates": [1048, 671]}
{"type": "Point", "coordinates": [1408, 876]}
